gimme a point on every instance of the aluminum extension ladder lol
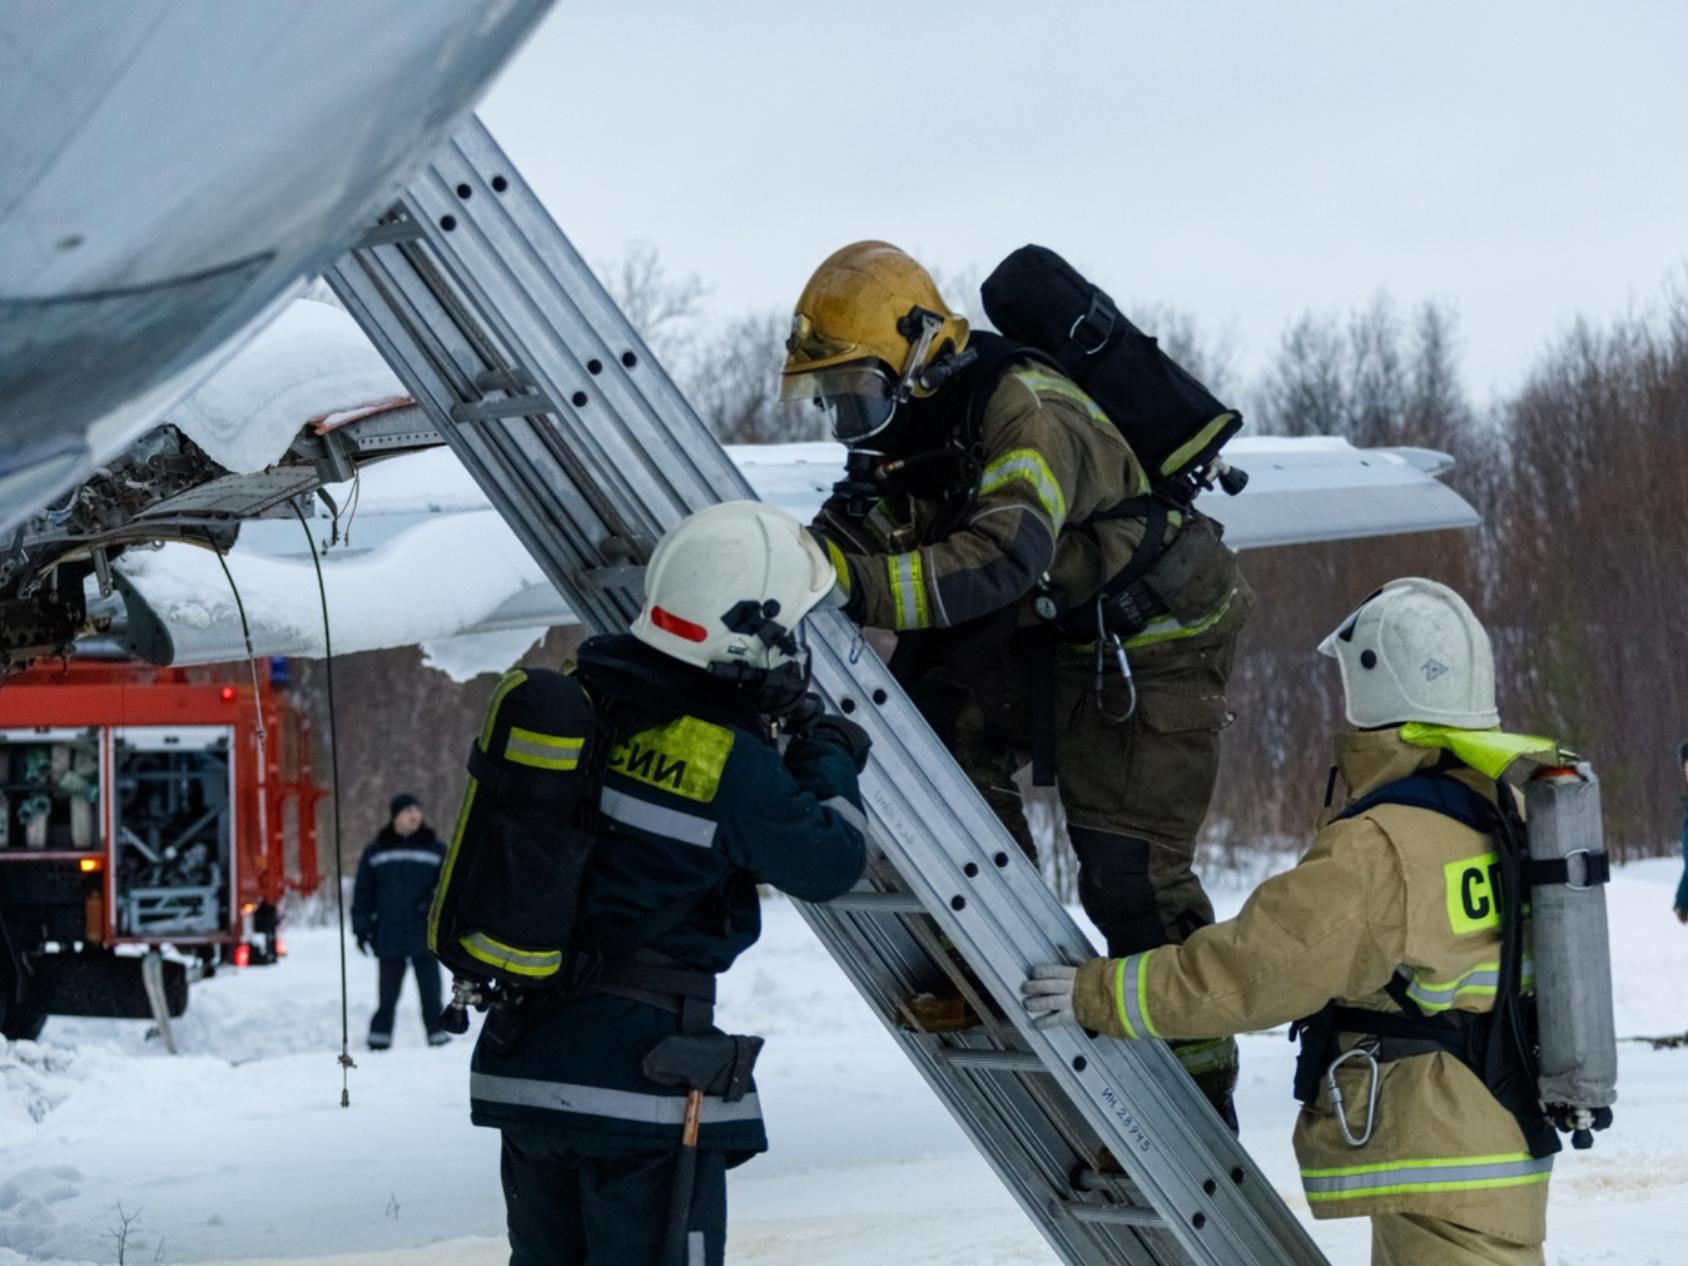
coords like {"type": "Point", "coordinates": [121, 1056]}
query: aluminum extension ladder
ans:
{"type": "Point", "coordinates": [539, 384]}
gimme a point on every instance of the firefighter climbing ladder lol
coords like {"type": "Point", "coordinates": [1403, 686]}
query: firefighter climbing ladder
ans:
{"type": "Point", "coordinates": [537, 381]}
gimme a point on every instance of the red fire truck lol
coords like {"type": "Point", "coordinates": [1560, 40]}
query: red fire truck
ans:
{"type": "Point", "coordinates": [143, 808]}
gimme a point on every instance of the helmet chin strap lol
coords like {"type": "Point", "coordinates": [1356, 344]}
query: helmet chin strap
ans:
{"type": "Point", "coordinates": [778, 689]}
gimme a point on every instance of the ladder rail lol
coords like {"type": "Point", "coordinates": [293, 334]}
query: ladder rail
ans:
{"type": "Point", "coordinates": [621, 435]}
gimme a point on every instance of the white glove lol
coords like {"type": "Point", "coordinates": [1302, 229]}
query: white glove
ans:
{"type": "Point", "coordinates": [1048, 994]}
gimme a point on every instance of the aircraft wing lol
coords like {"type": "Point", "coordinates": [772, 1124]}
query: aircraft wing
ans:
{"type": "Point", "coordinates": [428, 562]}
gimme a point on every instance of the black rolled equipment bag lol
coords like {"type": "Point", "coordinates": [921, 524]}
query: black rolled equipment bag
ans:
{"type": "Point", "coordinates": [509, 891]}
{"type": "Point", "coordinates": [1174, 425]}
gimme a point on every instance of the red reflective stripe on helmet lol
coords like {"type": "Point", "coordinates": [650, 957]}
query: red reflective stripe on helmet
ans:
{"type": "Point", "coordinates": [668, 622]}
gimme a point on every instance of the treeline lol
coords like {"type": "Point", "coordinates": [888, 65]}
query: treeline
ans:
{"type": "Point", "coordinates": [1580, 476]}
{"type": "Point", "coordinates": [1576, 570]}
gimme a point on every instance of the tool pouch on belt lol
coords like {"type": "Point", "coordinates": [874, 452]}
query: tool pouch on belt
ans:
{"type": "Point", "coordinates": [1196, 573]}
{"type": "Point", "coordinates": [715, 1063]}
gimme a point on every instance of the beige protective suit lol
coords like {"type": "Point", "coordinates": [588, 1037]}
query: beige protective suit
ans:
{"type": "Point", "coordinates": [1446, 1174]}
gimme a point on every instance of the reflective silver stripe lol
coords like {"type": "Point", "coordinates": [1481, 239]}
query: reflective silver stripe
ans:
{"type": "Point", "coordinates": [553, 752]}
{"type": "Point", "coordinates": [904, 571]}
{"type": "Point", "coordinates": [1484, 978]}
{"type": "Point", "coordinates": [1427, 1175]}
{"type": "Point", "coordinates": [1029, 466]}
{"type": "Point", "coordinates": [1130, 996]}
{"type": "Point", "coordinates": [597, 1101]}
{"type": "Point", "coordinates": [844, 809]}
{"type": "Point", "coordinates": [694, 1248]}
{"type": "Point", "coordinates": [508, 954]}
{"type": "Point", "coordinates": [386, 855]}
{"type": "Point", "coordinates": [684, 828]}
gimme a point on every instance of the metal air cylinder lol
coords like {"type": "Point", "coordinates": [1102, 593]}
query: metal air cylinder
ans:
{"type": "Point", "coordinates": [1572, 951]}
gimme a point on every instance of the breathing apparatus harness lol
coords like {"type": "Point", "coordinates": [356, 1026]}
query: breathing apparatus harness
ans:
{"type": "Point", "coordinates": [619, 683]}
{"type": "Point", "coordinates": [1500, 1046]}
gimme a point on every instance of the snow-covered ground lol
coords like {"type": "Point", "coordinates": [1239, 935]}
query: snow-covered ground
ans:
{"type": "Point", "coordinates": [238, 1149]}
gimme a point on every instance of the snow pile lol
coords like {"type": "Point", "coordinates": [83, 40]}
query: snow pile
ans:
{"type": "Point", "coordinates": [391, 596]}
{"type": "Point", "coordinates": [311, 362]}
{"type": "Point", "coordinates": [238, 1149]}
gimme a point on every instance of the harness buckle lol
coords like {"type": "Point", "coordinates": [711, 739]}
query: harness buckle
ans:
{"type": "Point", "coordinates": [1366, 1049]}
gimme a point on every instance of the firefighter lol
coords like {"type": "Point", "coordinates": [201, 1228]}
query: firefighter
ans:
{"type": "Point", "coordinates": [395, 883]}
{"type": "Point", "coordinates": [987, 494]}
{"type": "Point", "coordinates": [1393, 910]}
{"type": "Point", "coordinates": [698, 806]}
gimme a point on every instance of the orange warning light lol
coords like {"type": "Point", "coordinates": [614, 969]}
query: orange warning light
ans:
{"type": "Point", "coordinates": [226, 693]}
{"type": "Point", "coordinates": [89, 865]}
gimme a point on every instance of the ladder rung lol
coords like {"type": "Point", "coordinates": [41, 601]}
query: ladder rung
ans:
{"type": "Point", "coordinates": [624, 576]}
{"type": "Point", "coordinates": [1111, 1214]}
{"type": "Point", "coordinates": [508, 407]}
{"type": "Point", "coordinates": [877, 903]}
{"type": "Point", "coordinates": [389, 235]}
{"type": "Point", "coordinates": [993, 1061]}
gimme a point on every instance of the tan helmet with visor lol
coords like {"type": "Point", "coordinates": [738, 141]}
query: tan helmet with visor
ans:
{"type": "Point", "coordinates": [868, 327]}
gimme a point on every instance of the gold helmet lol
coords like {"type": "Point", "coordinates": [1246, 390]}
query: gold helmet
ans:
{"type": "Point", "coordinates": [870, 331]}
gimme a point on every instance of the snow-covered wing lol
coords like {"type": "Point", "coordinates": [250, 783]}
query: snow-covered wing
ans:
{"type": "Point", "coordinates": [429, 563]}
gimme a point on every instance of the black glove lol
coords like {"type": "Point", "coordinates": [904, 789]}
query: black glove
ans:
{"type": "Point", "coordinates": [845, 733]}
{"type": "Point", "coordinates": [363, 943]}
{"type": "Point", "coordinates": [802, 715]}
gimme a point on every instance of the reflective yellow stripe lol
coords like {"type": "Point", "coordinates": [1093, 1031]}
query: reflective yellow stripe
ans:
{"type": "Point", "coordinates": [1481, 980]}
{"type": "Point", "coordinates": [1119, 1000]}
{"type": "Point", "coordinates": [1165, 628]}
{"type": "Point", "coordinates": [536, 964]}
{"type": "Point", "coordinates": [1027, 464]}
{"type": "Point", "coordinates": [840, 564]}
{"type": "Point", "coordinates": [506, 684]}
{"type": "Point", "coordinates": [543, 751]}
{"type": "Point", "coordinates": [1454, 1173]}
{"type": "Point", "coordinates": [1043, 382]}
{"type": "Point", "coordinates": [1489, 752]}
{"type": "Point", "coordinates": [1205, 1056]}
{"type": "Point", "coordinates": [908, 590]}
{"type": "Point", "coordinates": [1200, 440]}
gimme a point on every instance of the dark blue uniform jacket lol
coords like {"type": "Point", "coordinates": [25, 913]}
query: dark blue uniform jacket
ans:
{"type": "Point", "coordinates": [690, 807]}
{"type": "Point", "coordinates": [396, 878]}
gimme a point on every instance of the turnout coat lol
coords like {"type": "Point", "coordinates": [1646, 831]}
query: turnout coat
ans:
{"type": "Point", "coordinates": [395, 885]}
{"type": "Point", "coordinates": [1395, 889]}
{"type": "Point", "coordinates": [692, 808]}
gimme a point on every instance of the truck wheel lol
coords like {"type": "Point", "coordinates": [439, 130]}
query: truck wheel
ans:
{"type": "Point", "coordinates": [19, 1025]}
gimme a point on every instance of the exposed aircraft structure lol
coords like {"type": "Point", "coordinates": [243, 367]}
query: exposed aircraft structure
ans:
{"type": "Point", "coordinates": [169, 185]}
{"type": "Point", "coordinates": [309, 405]}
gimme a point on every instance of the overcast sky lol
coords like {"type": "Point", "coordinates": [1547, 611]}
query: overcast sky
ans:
{"type": "Point", "coordinates": [1246, 161]}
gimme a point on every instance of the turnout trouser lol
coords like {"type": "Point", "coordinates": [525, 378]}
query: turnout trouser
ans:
{"type": "Point", "coordinates": [567, 1208]}
{"type": "Point", "coordinates": [427, 969]}
{"type": "Point", "coordinates": [1410, 1239]}
{"type": "Point", "coordinates": [1135, 792]}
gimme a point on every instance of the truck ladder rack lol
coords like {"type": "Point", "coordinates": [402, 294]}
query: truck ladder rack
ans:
{"type": "Point", "coordinates": [553, 403]}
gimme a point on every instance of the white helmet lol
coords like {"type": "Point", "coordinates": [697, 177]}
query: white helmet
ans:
{"type": "Point", "coordinates": [726, 588]}
{"type": "Point", "coordinates": [1413, 651]}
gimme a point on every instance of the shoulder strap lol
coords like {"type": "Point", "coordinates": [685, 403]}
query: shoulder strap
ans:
{"type": "Point", "coordinates": [1436, 792]}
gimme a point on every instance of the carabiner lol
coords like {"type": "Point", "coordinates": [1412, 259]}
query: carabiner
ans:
{"type": "Point", "coordinates": [1103, 639]}
{"type": "Point", "coordinates": [1366, 1050]}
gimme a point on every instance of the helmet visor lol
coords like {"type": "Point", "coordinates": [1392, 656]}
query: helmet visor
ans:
{"type": "Point", "coordinates": [858, 400]}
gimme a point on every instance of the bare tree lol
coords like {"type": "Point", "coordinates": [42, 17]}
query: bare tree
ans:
{"type": "Point", "coordinates": [666, 310]}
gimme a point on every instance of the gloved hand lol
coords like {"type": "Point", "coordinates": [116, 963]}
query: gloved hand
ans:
{"type": "Point", "coordinates": [1048, 994]}
{"type": "Point", "coordinates": [807, 711]}
{"type": "Point", "coordinates": [845, 733]}
{"type": "Point", "coordinates": [363, 943]}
